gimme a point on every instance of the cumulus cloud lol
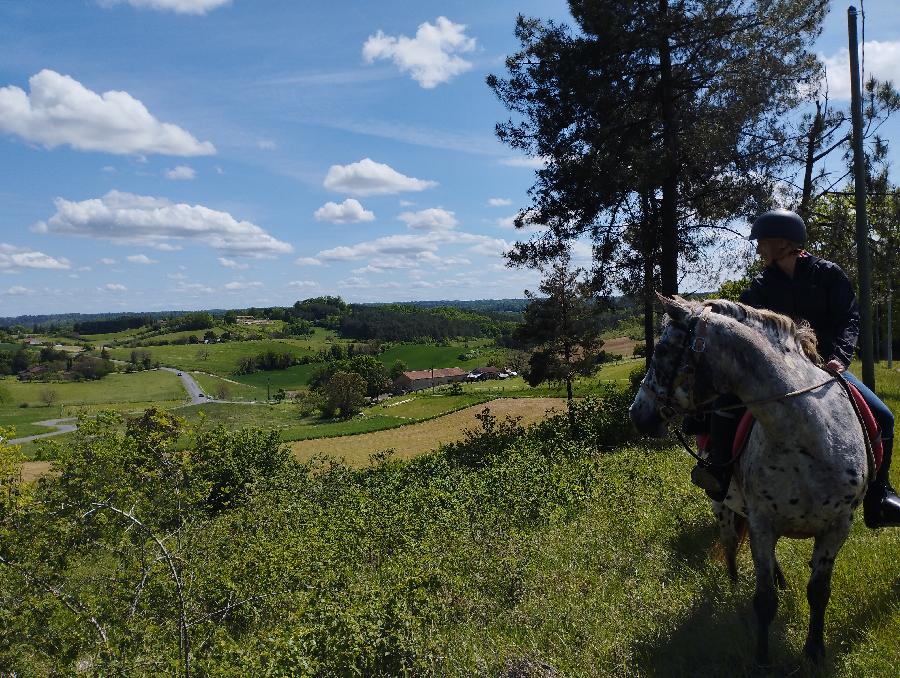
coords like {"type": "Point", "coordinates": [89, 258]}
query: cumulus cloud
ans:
{"type": "Point", "coordinates": [265, 144]}
{"type": "Point", "coordinates": [177, 6]}
{"type": "Point", "coordinates": [307, 261]}
{"type": "Point", "coordinates": [418, 247]}
{"type": "Point", "coordinates": [180, 173]}
{"type": "Point", "coordinates": [18, 290]}
{"type": "Point", "coordinates": [432, 219]}
{"type": "Point", "coordinates": [368, 177]}
{"type": "Point", "coordinates": [141, 259]}
{"type": "Point", "coordinates": [108, 261]}
{"type": "Point", "coordinates": [239, 285]}
{"type": "Point", "coordinates": [302, 284]}
{"type": "Point", "coordinates": [499, 202]}
{"type": "Point", "coordinates": [115, 287]}
{"type": "Point", "coordinates": [882, 62]}
{"type": "Point", "coordinates": [231, 263]}
{"type": "Point", "coordinates": [348, 212]}
{"type": "Point", "coordinates": [431, 58]}
{"type": "Point", "coordinates": [12, 257]}
{"type": "Point", "coordinates": [60, 110]}
{"type": "Point", "coordinates": [193, 288]}
{"type": "Point", "coordinates": [125, 218]}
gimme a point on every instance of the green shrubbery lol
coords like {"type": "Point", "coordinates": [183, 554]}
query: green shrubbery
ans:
{"type": "Point", "coordinates": [154, 539]}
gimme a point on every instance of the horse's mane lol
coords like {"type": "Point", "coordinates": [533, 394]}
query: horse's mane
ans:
{"type": "Point", "coordinates": [780, 328]}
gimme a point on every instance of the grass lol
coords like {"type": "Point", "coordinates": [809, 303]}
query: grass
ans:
{"type": "Point", "coordinates": [233, 390]}
{"type": "Point", "coordinates": [426, 356]}
{"type": "Point", "coordinates": [139, 387]}
{"type": "Point", "coordinates": [292, 379]}
{"type": "Point", "coordinates": [220, 359]}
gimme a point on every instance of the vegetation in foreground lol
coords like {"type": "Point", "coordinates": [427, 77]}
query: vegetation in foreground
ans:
{"type": "Point", "coordinates": [566, 544]}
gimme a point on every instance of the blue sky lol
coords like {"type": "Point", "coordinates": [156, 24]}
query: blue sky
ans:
{"type": "Point", "coordinates": [185, 154]}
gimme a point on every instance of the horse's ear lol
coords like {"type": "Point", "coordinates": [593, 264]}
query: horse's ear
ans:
{"type": "Point", "coordinates": [676, 307]}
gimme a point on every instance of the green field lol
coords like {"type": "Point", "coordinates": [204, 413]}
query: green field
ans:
{"type": "Point", "coordinates": [426, 356]}
{"type": "Point", "coordinates": [286, 419]}
{"type": "Point", "coordinates": [213, 385]}
{"type": "Point", "coordinates": [292, 379]}
{"type": "Point", "coordinates": [219, 359]}
{"type": "Point", "coordinates": [149, 386]}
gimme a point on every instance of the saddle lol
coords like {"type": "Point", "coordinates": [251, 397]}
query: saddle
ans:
{"type": "Point", "coordinates": [870, 427]}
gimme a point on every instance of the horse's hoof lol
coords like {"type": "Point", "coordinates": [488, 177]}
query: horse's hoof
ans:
{"type": "Point", "coordinates": [814, 652]}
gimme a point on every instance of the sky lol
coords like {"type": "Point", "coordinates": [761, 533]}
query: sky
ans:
{"type": "Point", "coordinates": [191, 154]}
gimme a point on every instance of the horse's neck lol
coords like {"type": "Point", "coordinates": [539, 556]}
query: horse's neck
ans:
{"type": "Point", "coordinates": [755, 370]}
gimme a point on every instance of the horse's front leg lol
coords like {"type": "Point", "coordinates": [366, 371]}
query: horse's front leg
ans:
{"type": "Point", "coordinates": [818, 590]}
{"type": "Point", "coordinates": [765, 600]}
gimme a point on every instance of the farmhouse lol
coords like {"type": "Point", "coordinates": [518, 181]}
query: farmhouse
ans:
{"type": "Point", "coordinates": [416, 380]}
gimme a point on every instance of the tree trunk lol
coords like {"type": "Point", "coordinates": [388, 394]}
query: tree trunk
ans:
{"type": "Point", "coordinates": [668, 265]}
{"type": "Point", "coordinates": [812, 142]}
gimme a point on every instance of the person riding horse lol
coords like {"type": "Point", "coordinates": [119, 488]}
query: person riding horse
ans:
{"type": "Point", "coordinates": [804, 287]}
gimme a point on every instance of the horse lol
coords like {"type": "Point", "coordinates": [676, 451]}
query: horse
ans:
{"type": "Point", "coordinates": [806, 465]}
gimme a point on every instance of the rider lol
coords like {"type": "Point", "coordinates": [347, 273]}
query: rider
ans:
{"type": "Point", "coordinates": [802, 286]}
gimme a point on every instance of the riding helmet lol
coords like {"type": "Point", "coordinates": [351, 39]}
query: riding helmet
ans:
{"type": "Point", "coordinates": [779, 224]}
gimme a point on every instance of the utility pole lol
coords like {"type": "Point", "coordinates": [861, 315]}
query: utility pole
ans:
{"type": "Point", "coordinates": [863, 261]}
{"type": "Point", "coordinates": [432, 380]}
{"type": "Point", "coordinates": [890, 327]}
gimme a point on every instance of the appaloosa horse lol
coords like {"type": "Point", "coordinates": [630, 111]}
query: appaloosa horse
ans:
{"type": "Point", "coordinates": [806, 465]}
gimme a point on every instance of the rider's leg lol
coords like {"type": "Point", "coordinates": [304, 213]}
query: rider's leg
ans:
{"type": "Point", "coordinates": [715, 475]}
{"type": "Point", "coordinates": [881, 507]}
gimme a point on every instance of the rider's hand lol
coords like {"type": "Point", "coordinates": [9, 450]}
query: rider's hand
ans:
{"type": "Point", "coordinates": [836, 365]}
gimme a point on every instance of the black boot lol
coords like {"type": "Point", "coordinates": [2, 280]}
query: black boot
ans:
{"type": "Point", "coordinates": [714, 475]}
{"type": "Point", "coordinates": [881, 507]}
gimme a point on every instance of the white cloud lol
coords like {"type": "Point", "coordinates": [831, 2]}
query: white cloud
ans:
{"type": "Point", "coordinates": [231, 263]}
{"type": "Point", "coordinates": [141, 259]}
{"type": "Point", "coordinates": [431, 58]}
{"type": "Point", "coordinates": [177, 6]}
{"type": "Point", "coordinates": [348, 212]}
{"type": "Point", "coordinates": [12, 257]}
{"type": "Point", "coordinates": [125, 218]}
{"type": "Point", "coordinates": [180, 173]}
{"type": "Point", "coordinates": [176, 276]}
{"type": "Point", "coordinates": [368, 177]}
{"type": "Point", "coordinates": [108, 169]}
{"type": "Point", "coordinates": [537, 162]}
{"type": "Point", "coordinates": [391, 250]}
{"type": "Point", "coordinates": [307, 261]}
{"type": "Point", "coordinates": [108, 261]}
{"type": "Point", "coordinates": [432, 219]}
{"type": "Point", "coordinates": [266, 144]}
{"type": "Point", "coordinates": [193, 288]}
{"type": "Point", "coordinates": [237, 285]}
{"type": "Point", "coordinates": [18, 290]}
{"type": "Point", "coordinates": [882, 62]}
{"type": "Point", "coordinates": [302, 284]}
{"type": "Point", "coordinates": [115, 287]}
{"type": "Point", "coordinates": [60, 110]}
{"type": "Point", "coordinates": [499, 202]}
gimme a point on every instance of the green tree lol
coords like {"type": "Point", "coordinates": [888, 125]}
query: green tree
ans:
{"type": "Point", "coordinates": [345, 393]}
{"type": "Point", "coordinates": [658, 122]}
{"type": "Point", "coordinates": [562, 326]}
{"type": "Point", "coordinates": [398, 368]}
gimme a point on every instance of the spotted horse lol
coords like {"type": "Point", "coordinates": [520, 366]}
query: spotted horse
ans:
{"type": "Point", "coordinates": [806, 464]}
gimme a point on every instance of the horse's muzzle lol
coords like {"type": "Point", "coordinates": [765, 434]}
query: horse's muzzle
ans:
{"type": "Point", "coordinates": [647, 420]}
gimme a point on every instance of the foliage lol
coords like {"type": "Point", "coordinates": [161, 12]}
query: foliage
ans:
{"type": "Point", "coordinates": [345, 393]}
{"type": "Point", "coordinates": [110, 325]}
{"type": "Point", "coordinates": [562, 327]}
{"type": "Point", "coordinates": [371, 370]}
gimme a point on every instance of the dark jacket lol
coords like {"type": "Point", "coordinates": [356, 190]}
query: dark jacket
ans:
{"type": "Point", "coordinates": [819, 293]}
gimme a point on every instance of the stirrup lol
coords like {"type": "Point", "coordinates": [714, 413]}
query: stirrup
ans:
{"type": "Point", "coordinates": [703, 476]}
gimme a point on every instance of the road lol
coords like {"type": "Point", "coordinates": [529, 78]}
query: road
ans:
{"type": "Point", "coordinates": [190, 385]}
{"type": "Point", "coordinates": [62, 426]}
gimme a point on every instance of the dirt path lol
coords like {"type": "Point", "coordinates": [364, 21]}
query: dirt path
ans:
{"type": "Point", "coordinates": [410, 441]}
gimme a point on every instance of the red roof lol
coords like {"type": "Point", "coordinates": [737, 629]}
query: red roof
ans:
{"type": "Point", "coordinates": [416, 375]}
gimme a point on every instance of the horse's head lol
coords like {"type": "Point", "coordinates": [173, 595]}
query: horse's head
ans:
{"type": "Point", "coordinates": [668, 389]}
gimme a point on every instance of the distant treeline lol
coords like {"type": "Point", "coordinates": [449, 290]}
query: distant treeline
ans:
{"type": "Point", "coordinates": [108, 326]}
{"type": "Point", "coordinates": [404, 322]}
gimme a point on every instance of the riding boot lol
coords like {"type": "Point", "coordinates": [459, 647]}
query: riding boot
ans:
{"type": "Point", "coordinates": [714, 473]}
{"type": "Point", "coordinates": [881, 507]}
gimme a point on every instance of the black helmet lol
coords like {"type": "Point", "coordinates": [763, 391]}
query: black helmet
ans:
{"type": "Point", "coordinates": [779, 224]}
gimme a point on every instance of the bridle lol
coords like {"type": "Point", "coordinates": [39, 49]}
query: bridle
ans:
{"type": "Point", "coordinates": [684, 373]}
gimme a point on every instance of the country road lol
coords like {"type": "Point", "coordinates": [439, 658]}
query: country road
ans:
{"type": "Point", "coordinates": [62, 426]}
{"type": "Point", "coordinates": [191, 386]}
